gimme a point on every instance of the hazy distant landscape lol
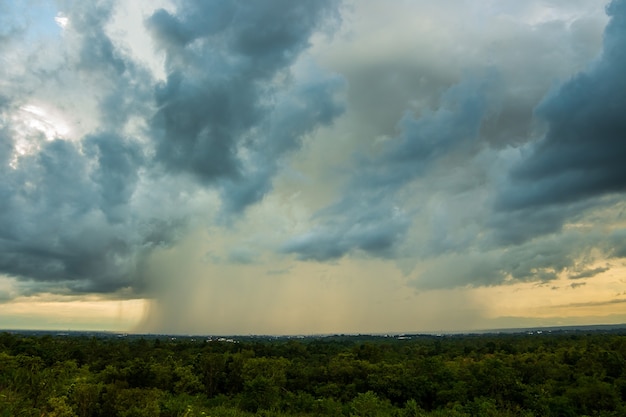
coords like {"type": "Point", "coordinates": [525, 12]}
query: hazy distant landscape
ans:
{"type": "Point", "coordinates": [608, 328]}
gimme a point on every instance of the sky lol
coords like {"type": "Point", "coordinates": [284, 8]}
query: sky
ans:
{"type": "Point", "coordinates": [282, 167]}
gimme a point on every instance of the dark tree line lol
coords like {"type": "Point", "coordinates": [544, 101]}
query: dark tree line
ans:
{"type": "Point", "coordinates": [561, 374]}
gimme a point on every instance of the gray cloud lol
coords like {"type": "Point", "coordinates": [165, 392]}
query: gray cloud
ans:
{"type": "Point", "coordinates": [242, 256]}
{"type": "Point", "coordinates": [82, 214]}
{"type": "Point", "coordinates": [308, 104]}
{"type": "Point", "coordinates": [372, 226]}
{"type": "Point", "coordinates": [542, 260]}
{"type": "Point", "coordinates": [582, 154]}
{"type": "Point", "coordinates": [468, 119]}
{"type": "Point", "coordinates": [116, 172]}
{"type": "Point", "coordinates": [518, 226]}
{"type": "Point", "coordinates": [368, 216]}
{"type": "Point", "coordinates": [426, 138]}
{"type": "Point", "coordinates": [52, 228]}
{"type": "Point", "coordinates": [617, 242]}
{"type": "Point", "coordinates": [231, 105]}
{"type": "Point", "coordinates": [66, 222]}
{"type": "Point", "coordinates": [594, 304]}
{"type": "Point", "coordinates": [588, 273]}
{"type": "Point", "coordinates": [423, 172]}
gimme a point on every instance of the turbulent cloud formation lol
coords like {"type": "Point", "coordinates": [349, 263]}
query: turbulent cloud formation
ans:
{"type": "Point", "coordinates": [65, 219]}
{"type": "Point", "coordinates": [229, 107]}
{"type": "Point", "coordinates": [582, 154]}
{"type": "Point", "coordinates": [523, 201]}
{"type": "Point", "coordinates": [228, 158]}
{"type": "Point", "coordinates": [366, 217]}
{"type": "Point", "coordinates": [77, 210]}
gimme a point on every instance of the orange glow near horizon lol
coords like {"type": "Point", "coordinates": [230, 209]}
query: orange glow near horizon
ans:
{"type": "Point", "coordinates": [55, 312]}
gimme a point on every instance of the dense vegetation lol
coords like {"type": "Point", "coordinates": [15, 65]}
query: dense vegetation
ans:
{"type": "Point", "coordinates": [558, 374]}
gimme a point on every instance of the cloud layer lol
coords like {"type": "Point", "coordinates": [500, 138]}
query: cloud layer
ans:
{"type": "Point", "coordinates": [77, 210]}
{"type": "Point", "coordinates": [492, 184]}
{"type": "Point", "coordinates": [208, 143]}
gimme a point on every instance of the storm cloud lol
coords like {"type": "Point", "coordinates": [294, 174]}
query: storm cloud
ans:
{"type": "Point", "coordinates": [77, 211]}
{"type": "Point", "coordinates": [230, 106]}
{"type": "Point", "coordinates": [519, 186]}
{"type": "Point", "coordinates": [581, 157]}
{"type": "Point", "coordinates": [367, 218]}
{"type": "Point", "coordinates": [225, 158]}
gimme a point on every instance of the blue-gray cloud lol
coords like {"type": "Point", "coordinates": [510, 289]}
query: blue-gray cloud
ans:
{"type": "Point", "coordinates": [241, 93]}
{"type": "Point", "coordinates": [231, 106]}
{"type": "Point", "coordinates": [52, 227]}
{"type": "Point", "coordinates": [582, 154]}
{"type": "Point", "coordinates": [368, 216]}
{"type": "Point", "coordinates": [64, 217]}
{"type": "Point", "coordinates": [575, 168]}
{"type": "Point", "coordinates": [370, 226]}
{"type": "Point", "coordinates": [79, 215]}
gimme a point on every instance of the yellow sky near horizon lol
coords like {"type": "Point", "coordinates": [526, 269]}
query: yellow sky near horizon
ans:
{"type": "Point", "coordinates": [54, 312]}
{"type": "Point", "coordinates": [303, 303]}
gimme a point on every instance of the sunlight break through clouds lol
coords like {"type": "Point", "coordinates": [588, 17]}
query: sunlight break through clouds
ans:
{"type": "Point", "coordinates": [296, 167]}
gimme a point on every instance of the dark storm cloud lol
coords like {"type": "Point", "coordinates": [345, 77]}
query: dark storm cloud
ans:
{"type": "Point", "coordinates": [582, 154]}
{"type": "Point", "coordinates": [543, 260]}
{"type": "Point", "coordinates": [52, 229]}
{"type": "Point", "coordinates": [577, 167]}
{"type": "Point", "coordinates": [116, 172]}
{"type": "Point", "coordinates": [518, 226]}
{"type": "Point", "coordinates": [367, 217]}
{"type": "Point", "coordinates": [589, 273]}
{"type": "Point", "coordinates": [96, 51]}
{"type": "Point", "coordinates": [76, 215]}
{"type": "Point", "coordinates": [66, 220]}
{"type": "Point", "coordinates": [372, 226]}
{"type": "Point", "coordinates": [295, 113]}
{"type": "Point", "coordinates": [462, 146]}
{"type": "Point", "coordinates": [423, 140]}
{"type": "Point", "coordinates": [617, 242]}
{"type": "Point", "coordinates": [221, 109]}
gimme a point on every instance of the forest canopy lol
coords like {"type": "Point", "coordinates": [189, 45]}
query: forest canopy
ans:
{"type": "Point", "coordinates": [567, 373]}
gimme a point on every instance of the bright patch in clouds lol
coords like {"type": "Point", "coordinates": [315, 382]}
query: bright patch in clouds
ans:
{"type": "Point", "coordinates": [38, 119]}
{"type": "Point", "coordinates": [61, 20]}
{"type": "Point", "coordinates": [31, 124]}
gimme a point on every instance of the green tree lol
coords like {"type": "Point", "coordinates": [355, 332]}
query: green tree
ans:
{"type": "Point", "coordinates": [264, 378]}
{"type": "Point", "coordinates": [368, 404]}
{"type": "Point", "coordinates": [60, 408]}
